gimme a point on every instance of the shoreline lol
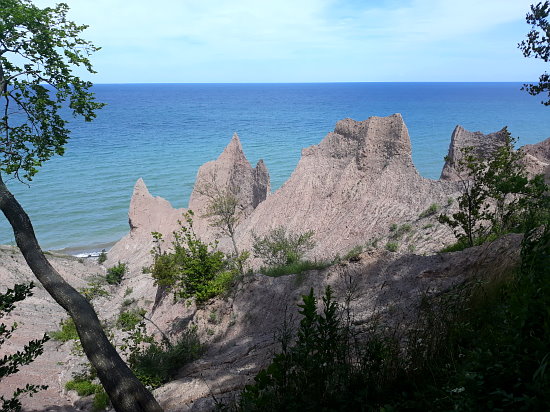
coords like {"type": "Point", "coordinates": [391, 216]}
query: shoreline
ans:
{"type": "Point", "coordinates": [89, 251]}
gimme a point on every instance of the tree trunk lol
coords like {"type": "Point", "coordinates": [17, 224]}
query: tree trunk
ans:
{"type": "Point", "coordinates": [126, 392]}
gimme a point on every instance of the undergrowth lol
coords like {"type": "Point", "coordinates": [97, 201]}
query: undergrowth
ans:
{"type": "Point", "coordinates": [155, 363]}
{"type": "Point", "coordinates": [293, 268]}
{"type": "Point", "coordinates": [481, 346]}
{"type": "Point", "coordinates": [66, 332]}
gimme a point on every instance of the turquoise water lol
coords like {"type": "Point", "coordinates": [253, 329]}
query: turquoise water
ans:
{"type": "Point", "coordinates": [164, 132]}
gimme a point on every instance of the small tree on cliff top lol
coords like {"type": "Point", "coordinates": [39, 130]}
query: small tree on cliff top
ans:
{"type": "Point", "coordinates": [497, 196]}
{"type": "Point", "coordinates": [39, 50]}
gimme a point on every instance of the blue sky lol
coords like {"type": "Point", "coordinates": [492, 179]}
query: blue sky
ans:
{"type": "Point", "coordinates": [189, 41]}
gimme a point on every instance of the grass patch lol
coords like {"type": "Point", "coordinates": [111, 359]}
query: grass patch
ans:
{"type": "Point", "coordinates": [463, 244]}
{"type": "Point", "coordinates": [397, 232]}
{"type": "Point", "coordinates": [430, 211]}
{"type": "Point", "coordinates": [67, 331]}
{"type": "Point", "coordinates": [392, 246]}
{"type": "Point", "coordinates": [83, 387]}
{"type": "Point", "coordinates": [353, 254]}
{"type": "Point", "coordinates": [294, 268]}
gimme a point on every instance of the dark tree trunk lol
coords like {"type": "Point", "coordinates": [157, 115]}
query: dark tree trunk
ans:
{"type": "Point", "coordinates": [126, 392]}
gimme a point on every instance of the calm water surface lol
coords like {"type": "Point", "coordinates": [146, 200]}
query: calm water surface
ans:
{"type": "Point", "coordinates": [164, 132]}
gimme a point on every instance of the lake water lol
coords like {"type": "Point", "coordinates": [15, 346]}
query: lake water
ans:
{"type": "Point", "coordinates": [164, 132]}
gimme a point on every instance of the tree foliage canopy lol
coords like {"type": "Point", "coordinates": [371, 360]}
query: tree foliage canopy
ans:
{"type": "Point", "coordinates": [537, 45]}
{"type": "Point", "coordinates": [39, 51]}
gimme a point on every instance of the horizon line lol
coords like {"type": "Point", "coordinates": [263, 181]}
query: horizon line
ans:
{"type": "Point", "coordinates": [327, 82]}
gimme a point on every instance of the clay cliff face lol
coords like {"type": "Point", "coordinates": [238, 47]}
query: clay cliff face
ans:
{"type": "Point", "coordinates": [537, 158]}
{"type": "Point", "coordinates": [350, 188]}
{"type": "Point", "coordinates": [483, 144]}
{"type": "Point", "coordinates": [146, 214]}
{"type": "Point", "coordinates": [232, 172]}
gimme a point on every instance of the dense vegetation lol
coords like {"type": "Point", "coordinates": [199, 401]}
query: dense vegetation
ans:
{"type": "Point", "coordinates": [481, 346]}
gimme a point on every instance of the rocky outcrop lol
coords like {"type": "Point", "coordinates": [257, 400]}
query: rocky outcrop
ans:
{"type": "Point", "coordinates": [537, 158]}
{"type": "Point", "coordinates": [350, 188]}
{"type": "Point", "coordinates": [146, 214]}
{"type": "Point", "coordinates": [231, 173]}
{"type": "Point", "coordinates": [483, 146]}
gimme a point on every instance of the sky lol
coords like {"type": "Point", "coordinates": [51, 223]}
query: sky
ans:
{"type": "Point", "coordinates": [227, 41]}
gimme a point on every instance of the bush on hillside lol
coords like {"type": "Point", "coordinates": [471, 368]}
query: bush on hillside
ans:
{"type": "Point", "coordinates": [192, 268]}
{"type": "Point", "coordinates": [115, 274]}
{"type": "Point", "coordinates": [279, 247]}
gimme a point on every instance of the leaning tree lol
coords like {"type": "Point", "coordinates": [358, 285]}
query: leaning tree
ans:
{"type": "Point", "coordinates": [40, 49]}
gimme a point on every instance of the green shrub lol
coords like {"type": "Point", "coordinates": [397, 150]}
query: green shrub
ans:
{"type": "Point", "coordinates": [102, 257]}
{"type": "Point", "coordinates": [128, 320]}
{"type": "Point", "coordinates": [193, 268]}
{"type": "Point", "coordinates": [217, 286]}
{"type": "Point", "coordinates": [157, 363]}
{"type": "Point", "coordinates": [67, 332]}
{"type": "Point", "coordinates": [293, 268]}
{"type": "Point", "coordinates": [392, 246]}
{"type": "Point", "coordinates": [93, 291]}
{"type": "Point", "coordinates": [498, 197]}
{"type": "Point", "coordinates": [430, 211]}
{"type": "Point", "coordinates": [322, 371]}
{"type": "Point", "coordinates": [115, 274]}
{"type": "Point", "coordinates": [281, 248]}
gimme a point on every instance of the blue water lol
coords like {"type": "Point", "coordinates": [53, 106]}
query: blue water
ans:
{"type": "Point", "coordinates": [164, 132]}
